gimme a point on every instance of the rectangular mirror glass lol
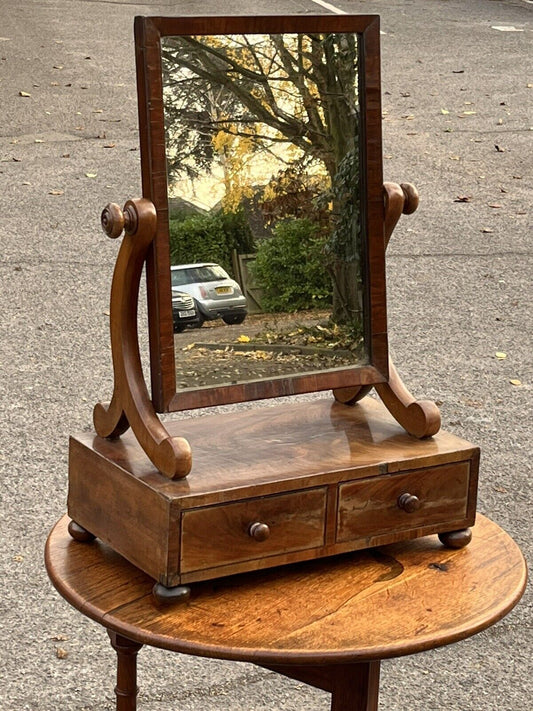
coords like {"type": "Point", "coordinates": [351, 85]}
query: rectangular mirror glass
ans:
{"type": "Point", "coordinates": [261, 151]}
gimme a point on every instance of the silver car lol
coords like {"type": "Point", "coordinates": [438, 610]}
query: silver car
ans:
{"type": "Point", "coordinates": [216, 295]}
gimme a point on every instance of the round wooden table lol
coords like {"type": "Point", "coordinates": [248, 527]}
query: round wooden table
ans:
{"type": "Point", "coordinates": [327, 623]}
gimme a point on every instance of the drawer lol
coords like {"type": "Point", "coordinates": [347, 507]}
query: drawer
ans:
{"type": "Point", "coordinates": [370, 507]}
{"type": "Point", "coordinates": [224, 534]}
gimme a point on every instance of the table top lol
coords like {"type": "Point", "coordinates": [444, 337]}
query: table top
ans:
{"type": "Point", "coordinates": [383, 602]}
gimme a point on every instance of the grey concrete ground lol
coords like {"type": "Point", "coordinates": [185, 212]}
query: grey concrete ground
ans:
{"type": "Point", "coordinates": [457, 106]}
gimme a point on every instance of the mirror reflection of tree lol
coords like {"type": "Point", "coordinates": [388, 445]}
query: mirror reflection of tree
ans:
{"type": "Point", "coordinates": [288, 105]}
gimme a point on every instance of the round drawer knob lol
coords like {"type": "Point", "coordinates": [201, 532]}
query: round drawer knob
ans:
{"type": "Point", "coordinates": [259, 531]}
{"type": "Point", "coordinates": [409, 502]}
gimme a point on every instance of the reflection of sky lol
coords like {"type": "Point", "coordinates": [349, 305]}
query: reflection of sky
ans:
{"type": "Point", "coordinates": [209, 189]}
{"type": "Point", "coordinates": [256, 167]}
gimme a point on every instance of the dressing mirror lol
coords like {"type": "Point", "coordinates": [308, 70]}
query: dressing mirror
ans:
{"type": "Point", "coordinates": [263, 226]}
{"type": "Point", "coordinates": [261, 151]}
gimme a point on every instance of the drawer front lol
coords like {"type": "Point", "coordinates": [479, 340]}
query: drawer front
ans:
{"type": "Point", "coordinates": [224, 534]}
{"type": "Point", "coordinates": [370, 507]}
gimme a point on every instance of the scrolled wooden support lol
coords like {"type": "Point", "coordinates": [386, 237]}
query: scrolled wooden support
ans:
{"type": "Point", "coordinates": [131, 405]}
{"type": "Point", "coordinates": [421, 418]}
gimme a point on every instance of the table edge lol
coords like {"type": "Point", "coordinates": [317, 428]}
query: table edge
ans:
{"type": "Point", "coordinates": [296, 657]}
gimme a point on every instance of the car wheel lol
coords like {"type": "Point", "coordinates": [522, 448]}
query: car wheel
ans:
{"type": "Point", "coordinates": [179, 328]}
{"type": "Point", "coordinates": [233, 319]}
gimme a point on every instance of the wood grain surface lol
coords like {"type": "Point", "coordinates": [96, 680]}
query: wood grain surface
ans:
{"type": "Point", "coordinates": [280, 445]}
{"type": "Point", "coordinates": [380, 603]}
{"type": "Point", "coordinates": [325, 478]}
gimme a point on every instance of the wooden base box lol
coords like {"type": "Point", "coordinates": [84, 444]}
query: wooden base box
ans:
{"type": "Point", "coordinates": [278, 485]}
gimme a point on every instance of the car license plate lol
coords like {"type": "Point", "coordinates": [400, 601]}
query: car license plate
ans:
{"type": "Point", "coordinates": [186, 314]}
{"type": "Point", "coordinates": [223, 289]}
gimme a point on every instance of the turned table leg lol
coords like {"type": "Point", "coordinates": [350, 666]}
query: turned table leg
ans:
{"type": "Point", "coordinates": [126, 689]}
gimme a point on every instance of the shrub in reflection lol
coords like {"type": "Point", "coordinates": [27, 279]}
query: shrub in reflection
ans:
{"type": "Point", "coordinates": [290, 268]}
{"type": "Point", "coordinates": [210, 237]}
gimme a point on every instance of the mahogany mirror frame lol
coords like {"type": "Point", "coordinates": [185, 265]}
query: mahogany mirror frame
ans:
{"type": "Point", "coordinates": [148, 34]}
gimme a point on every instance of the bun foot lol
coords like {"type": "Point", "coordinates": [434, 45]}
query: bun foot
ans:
{"type": "Point", "coordinates": [456, 539]}
{"type": "Point", "coordinates": [79, 533]}
{"type": "Point", "coordinates": [168, 596]}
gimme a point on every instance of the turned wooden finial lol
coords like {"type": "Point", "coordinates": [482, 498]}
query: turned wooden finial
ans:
{"type": "Point", "coordinates": [411, 199]}
{"type": "Point", "coordinates": [114, 220]}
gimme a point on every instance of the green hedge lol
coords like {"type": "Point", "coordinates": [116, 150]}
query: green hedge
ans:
{"type": "Point", "coordinates": [290, 268]}
{"type": "Point", "coordinates": [210, 238]}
